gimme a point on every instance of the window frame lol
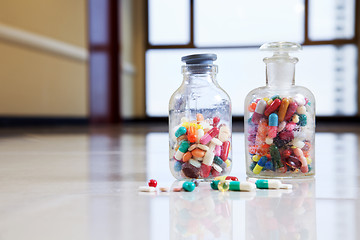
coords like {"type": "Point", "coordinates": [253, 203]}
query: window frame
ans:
{"type": "Point", "coordinates": [307, 42]}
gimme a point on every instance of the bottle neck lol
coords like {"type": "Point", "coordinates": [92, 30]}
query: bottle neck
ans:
{"type": "Point", "coordinates": [280, 71]}
{"type": "Point", "coordinates": [199, 74]}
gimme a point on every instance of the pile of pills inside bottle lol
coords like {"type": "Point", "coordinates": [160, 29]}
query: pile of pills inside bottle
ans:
{"type": "Point", "coordinates": [200, 148]}
{"type": "Point", "coordinates": [280, 136]}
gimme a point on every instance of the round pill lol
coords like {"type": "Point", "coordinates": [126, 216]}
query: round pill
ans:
{"type": "Point", "coordinates": [199, 117]}
{"type": "Point", "coordinates": [228, 163]}
{"type": "Point", "coordinates": [188, 186]}
{"type": "Point", "coordinates": [223, 186]}
{"type": "Point", "coordinates": [152, 183]}
{"type": "Point", "coordinates": [301, 110]}
{"type": "Point", "coordinates": [216, 120]}
{"type": "Point", "coordinates": [295, 118]}
{"type": "Point", "coordinates": [269, 141]}
{"type": "Point", "coordinates": [146, 189]}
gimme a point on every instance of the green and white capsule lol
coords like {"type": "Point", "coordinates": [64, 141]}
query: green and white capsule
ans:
{"type": "Point", "coordinates": [268, 184]}
{"type": "Point", "coordinates": [242, 186]}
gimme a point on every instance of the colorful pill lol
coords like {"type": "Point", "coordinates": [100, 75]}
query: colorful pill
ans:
{"type": "Point", "coordinates": [223, 186]}
{"type": "Point", "coordinates": [217, 150]}
{"type": "Point", "coordinates": [242, 186]}
{"type": "Point", "coordinates": [260, 164]}
{"type": "Point", "coordinates": [200, 134]}
{"type": "Point", "coordinates": [216, 121]}
{"type": "Point", "coordinates": [214, 184]}
{"type": "Point", "coordinates": [301, 110]}
{"type": "Point", "coordinates": [268, 184]}
{"type": "Point", "coordinates": [192, 134]}
{"type": "Point", "coordinates": [261, 133]}
{"type": "Point", "coordinates": [225, 150]}
{"type": "Point", "coordinates": [304, 166]}
{"type": "Point", "coordinates": [224, 133]}
{"type": "Point", "coordinates": [302, 120]}
{"type": "Point", "coordinates": [273, 107]}
{"type": "Point", "coordinates": [195, 163]}
{"type": "Point", "coordinates": [290, 111]}
{"type": "Point", "coordinates": [273, 125]}
{"type": "Point", "coordinates": [205, 170]}
{"type": "Point", "coordinates": [188, 186]}
{"type": "Point", "coordinates": [199, 118]}
{"type": "Point", "coordinates": [198, 153]}
{"type": "Point", "coordinates": [259, 111]}
{"type": "Point", "coordinates": [184, 146]}
{"type": "Point", "coordinates": [299, 99]}
{"type": "Point", "coordinates": [283, 108]}
{"type": "Point", "coordinates": [252, 107]}
{"type": "Point", "coordinates": [178, 155]}
{"type": "Point", "coordinates": [180, 131]}
{"type": "Point", "coordinates": [209, 135]}
{"type": "Point", "coordinates": [231, 178]}
{"type": "Point", "coordinates": [256, 158]}
{"type": "Point", "coordinates": [186, 157]}
{"type": "Point", "coordinates": [276, 157]}
{"type": "Point", "coordinates": [208, 158]}
{"type": "Point", "coordinates": [177, 166]}
{"type": "Point", "coordinates": [281, 126]}
{"type": "Point", "coordinates": [221, 178]}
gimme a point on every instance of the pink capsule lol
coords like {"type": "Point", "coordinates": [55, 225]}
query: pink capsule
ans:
{"type": "Point", "coordinates": [209, 135]}
{"type": "Point", "coordinates": [261, 133]}
{"type": "Point", "coordinates": [304, 166]}
{"type": "Point", "coordinates": [272, 131]}
{"type": "Point", "coordinates": [217, 150]}
{"type": "Point", "coordinates": [225, 150]}
{"type": "Point", "coordinates": [259, 111]}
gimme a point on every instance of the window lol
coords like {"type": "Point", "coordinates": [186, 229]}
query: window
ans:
{"type": "Point", "coordinates": [235, 29]}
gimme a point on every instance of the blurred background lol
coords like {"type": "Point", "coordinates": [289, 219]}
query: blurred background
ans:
{"type": "Point", "coordinates": [92, 61]}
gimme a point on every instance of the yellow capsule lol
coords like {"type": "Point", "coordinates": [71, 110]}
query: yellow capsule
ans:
{"type": "Point", "coordinates": [223, 186]}
{"type": "Point", "coordinates": [309, 160]}
{"type": "Point", "coordinates": [266, 99]}
{"type": "Point", "coordinates": [256, 158]}
{"type": "Point", "coordinates": [221, 178]}
{"type": "Point", "coordinates": [293, 147]}
{"type": "Point", "coordinates": [228, 163]}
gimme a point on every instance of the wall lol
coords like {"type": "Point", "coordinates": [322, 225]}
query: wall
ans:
{"type": "Point", "coordinates": [40, 83]}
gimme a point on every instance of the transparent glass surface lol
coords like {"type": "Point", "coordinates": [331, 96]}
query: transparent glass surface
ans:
{"type": "Point", "coordinates": [331, 19]}
{"type": "Point", "coordinates": [328, 71]}
{"type": "Point", "coordinates": [169, 22]}
{"type": "Point", "coordinates": [234, 22]}
{"type": "Point", "coordinates": [200, 126]}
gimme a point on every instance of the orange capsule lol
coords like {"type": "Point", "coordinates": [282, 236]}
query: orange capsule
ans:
{"type": "Point", "coordinates": [186, 156]}
{"type": "Point", "coordinates": [283, 108]}
{"type": "Point", "coordinates": [192, 134]}
{"type": "Point", "coordinates": [198, 153]}
{"type": "Point", "coordinates": [252, 107]}
{"type": "Point", "coordinates": [199, 117]}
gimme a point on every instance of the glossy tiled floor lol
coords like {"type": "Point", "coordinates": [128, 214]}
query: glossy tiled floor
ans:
{"type": "Point", "coordinates": [79, 183]}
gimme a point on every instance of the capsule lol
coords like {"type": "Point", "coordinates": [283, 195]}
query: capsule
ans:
{"type": "Point", "coordinates": [242, 186]}
{"type": "Point", "coordinates": [180, 131]}
{"type": "Point", "coordinates": [273, 125]}
{"type": "Point", "coordinates": [260, 164]}
{"type": "Point", "coordinates": [273, 107]}
{"type": "Point", "coordinates": [225, 150]}
{"type": "Point", "coordinates": [283, 108]}
{"type": "Point", "coordinates": [192, 134]}
{"type": "Point", "coordinates": [290, 111]}
{"type": "Point", "coordinates": [214, 184]}
{"type": "Point", "coordinates": [259, 111]}
{"type": "Point", "coordinates": [304, 166]}
{"type": "Point", "coordinates": [209, 135]}
{"type": "Point", "coordinates": [268, 184]}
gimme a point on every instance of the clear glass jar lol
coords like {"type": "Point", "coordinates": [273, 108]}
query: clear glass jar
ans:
{"type": "Point", "coordinates": [200, 122]}
{"type": "Point", "coordinates": [280, 120]}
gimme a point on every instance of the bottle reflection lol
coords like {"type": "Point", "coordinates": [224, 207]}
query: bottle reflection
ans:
{"type": "Point", "coordinates": [202, 214]}
{"type": "Point", "coordinates": [280, 214]}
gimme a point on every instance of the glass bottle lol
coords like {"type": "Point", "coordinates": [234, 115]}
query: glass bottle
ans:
{"type": "Point", "coordinates": [200, 122]}
{"type": "Point", "coordinates": [280, 120]}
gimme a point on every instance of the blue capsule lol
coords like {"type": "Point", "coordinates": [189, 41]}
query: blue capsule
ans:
{"type": "Point", "coordinates": [273, 120]}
